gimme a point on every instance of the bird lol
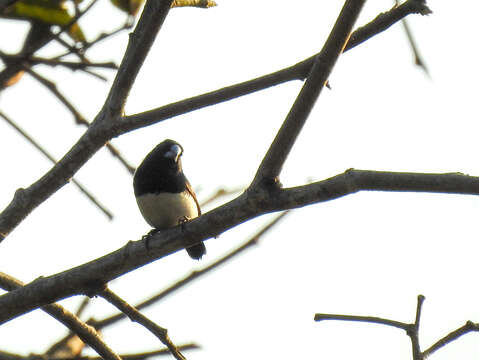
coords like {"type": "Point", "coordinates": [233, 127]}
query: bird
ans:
{"type": "Point", "coordinates": [163, 193]}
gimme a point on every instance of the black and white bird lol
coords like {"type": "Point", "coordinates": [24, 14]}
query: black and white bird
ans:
{"type": "Point", "coordinates": [163, 193]}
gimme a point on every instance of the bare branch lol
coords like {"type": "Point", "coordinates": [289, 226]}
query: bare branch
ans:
{"type": "Point", "coordinates": [465, 329]}
{"type": "Point", "coordinates": [87, 333]}
{"type": "Point", "coordinates": [139, 44]}
{"type": "Point", "coordinates": [220, 193]}
{"type": "Point", "coordinates": [270, 168]}
{"type": "Point", "coordinates": [103, 36]}
{"type": "Point", "coordinates": [40, 148]}
{"type": "Point", "coordinates": [134, 315]}
{"type": "Point", "coordinates": [248, 205]}
{"type": "Point", "coordinates": [140, 356]}
{"type": "Point", "coordinates": [28, 199]}
{"type": "Point", "coordinates": [357, 318]}
{"type": "Point", "coordinates": [412, 42]}
{"type": "Point", "coordinates": [298, 71]}
{"type": "Point", "coordinates": [73, 65]}
{"type": "Point", "coordinates": [100, 324]}
{"type": "Point", "coordinates": [79, 118]}
{"type": "Point", "coordinates": [413, 330]}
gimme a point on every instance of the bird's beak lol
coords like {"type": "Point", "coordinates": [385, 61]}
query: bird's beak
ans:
{"type": "Point", "coordinates": [174, 153]}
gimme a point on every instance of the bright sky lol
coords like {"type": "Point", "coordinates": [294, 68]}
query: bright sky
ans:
{"type": "Point", "coordinates": [365, 254]}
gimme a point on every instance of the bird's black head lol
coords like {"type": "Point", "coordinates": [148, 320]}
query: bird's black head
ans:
{"type": "Point", "coordinates": [161, 170]}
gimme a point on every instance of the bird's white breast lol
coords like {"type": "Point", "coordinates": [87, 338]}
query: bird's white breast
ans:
{"type": "Point", "coordinates": [165, 210]}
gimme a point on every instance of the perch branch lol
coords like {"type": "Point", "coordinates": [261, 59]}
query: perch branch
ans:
{"type": "Point", "coordinates": [100, 324]}
{"type": "Point", "coordinates": [79, 280]}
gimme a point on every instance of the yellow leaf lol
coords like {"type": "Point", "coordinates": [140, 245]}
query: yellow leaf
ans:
{"type": "Point", "coordinates": [193, 3]}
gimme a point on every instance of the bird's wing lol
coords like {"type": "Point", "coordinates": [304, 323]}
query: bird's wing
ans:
{"type": "Point", "coordinates": [192, 193]}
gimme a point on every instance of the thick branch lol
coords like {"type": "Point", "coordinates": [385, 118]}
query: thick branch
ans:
{"type": "Point", "coordinates": [139, 45]}
{"type": "Point", "coordinates": [85, 332]}
{"type": "Point", "coordinates": [324, 62]}
{"type": "Point", "coordinates": [82, 279]}
{"type": "Point", "coordinates": [100, 324]}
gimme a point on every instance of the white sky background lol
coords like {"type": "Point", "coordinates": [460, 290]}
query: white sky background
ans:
{"type": "Point", "coordinates": [366, 254]}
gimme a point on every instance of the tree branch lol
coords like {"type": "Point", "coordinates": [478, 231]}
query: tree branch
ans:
{"type": "Point", "coordinates": [13, 68]}
{"type": "Point", "coordinates": [465, 329]}
{"type": "Point", "coordinates": [413, 330]}
{"type": "Point", "coordinates": [100, 324]}
{"type": "Point", "coordinates": [79, 118]}
{"type": "Point", "coordinates": [86, 278]}
{"type": "Point", "coordinates": [134, 315]}
{"type": "Point", "coordinates": [37, 146]}
{"type": "Point", "coordinates": [369, 319]}
{"type": "Point", "coordinates": [87, 333]}
{"type": "Point", "coordinates": [270, 168]}
{"type": "Point", "coordinates": [298, 71]}
{"type": "Point", "coordinates": [25, 200]}
{"type": "Point", "coordinates": [139, 45]}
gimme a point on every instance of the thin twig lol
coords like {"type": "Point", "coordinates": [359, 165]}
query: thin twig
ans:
{"type": "Point", "coordinates": [83, 305]}
{"type": "Point", "coordinates": [357, 318]}
{"type": "Point", "coordinates": [220, 193]}
{"type": "Point", "coordinates": [79, 118]}
{"type": "Point", "coordinates": [468, 327]}
{"type": "Point", "coordinates": [139, 356]}
{"type": "Point", "coordinates": [160, 332]}
{"type": "Point", "coordinates": [14, 68]}
{"type": "Point", "coordinates": [73, 65]}
{"type": "Point", "coordinates": [139, 44]}
{"type": "Point", "coordinates": [40, 148]}
{"type": "Point", "coordinates": [87, 333]}
{"type": "Point", "coordinates": [103, 36]}
{"type": "Point", "coordinates": [145, 355]}
{"type": "Point", "coordinates": [412, 42]}
{"type": "Point", "coordinates": [413, 331]}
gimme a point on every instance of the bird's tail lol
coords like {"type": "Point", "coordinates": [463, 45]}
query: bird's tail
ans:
{"type": "Point", "coordinates": [196, 251]}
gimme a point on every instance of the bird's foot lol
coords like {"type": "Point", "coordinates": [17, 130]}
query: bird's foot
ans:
{"type": "Point", "coordinates": [147, 238]}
